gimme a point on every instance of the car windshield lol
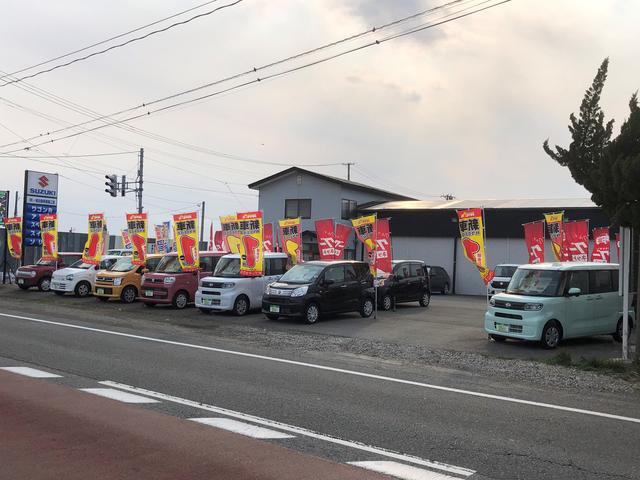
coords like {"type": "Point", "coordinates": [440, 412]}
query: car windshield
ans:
{"type": "Point", "coordinates": [303, 273]}
{"type": "Point", "coordinates": [536, 283]}
{"type": "Point", "coordinates": [106, 263]}
{"type": "Point", "coordinates": [169, 264]}
{"type": "Point", "coordinates": [152, 263]}
{"type": "Point", "coordinates": [81, 265]}
{"type": "Point", "coordinates": [123, 264]}
{"type": "Point", "coordinates": [505, 271]}
{"type": "Point", "coordinates": [45, 263]}
{"type": "Point", "coordinates": [228, 267]}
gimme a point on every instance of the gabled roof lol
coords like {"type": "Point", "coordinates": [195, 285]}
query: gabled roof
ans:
{"type": "Point", "coordinates": [547, 203]}
{"type": "Point", "coordinates": [359, 186]}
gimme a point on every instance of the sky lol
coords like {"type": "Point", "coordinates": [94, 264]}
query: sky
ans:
{"type": "Point", "coordinates": [461, 108]}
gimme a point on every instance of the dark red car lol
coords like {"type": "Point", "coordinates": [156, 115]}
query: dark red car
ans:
{"type": "Point", "coordinates": [39, 275]}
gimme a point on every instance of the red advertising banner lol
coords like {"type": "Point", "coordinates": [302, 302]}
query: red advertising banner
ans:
{"type": "Point", "coordinates": [340, 240]}
{"type": "Point", "coordinates": [618, 246]}
{"type": "Point", "coordinates": [210, 244]}
{"type": "Point", "coordinates": [267, 237]}
{"type": "Point", "coordinates": [534, 240]}
{"type": "Point", "coordinates": [576, 241]}
{"type": "Point", "coordinates": [326, 239]}
{"type": "Point", "coordinates": [601, 245]}
{"type": "Point", "coordinates": [383, 249]}
{"type": "Point", "coordinates": [218, 241]}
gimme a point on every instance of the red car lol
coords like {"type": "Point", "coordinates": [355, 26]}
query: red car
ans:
{"type": "Point", "coordinates": [169, 285]}
{"type": "Point", "coordinates": [39, 275]}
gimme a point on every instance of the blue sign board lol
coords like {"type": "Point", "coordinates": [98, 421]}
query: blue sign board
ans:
{"type": "Point", "coordinates": [41, 196]}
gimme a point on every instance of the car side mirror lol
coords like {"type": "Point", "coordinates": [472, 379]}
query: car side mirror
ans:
{"type": "Point", "coordinates": [145, 270]}
{"type": "Point", "coordinates": [574, 292]}
{"type": "Point", "coordinates": [326, 283]}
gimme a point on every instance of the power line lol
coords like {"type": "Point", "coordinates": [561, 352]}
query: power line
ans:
{"type": "Point", "coordinates": [68, 156]}
{"type": "Point", "coordinates": [190, 187]}
{"type": "Point", "coordinates": [113, 47]}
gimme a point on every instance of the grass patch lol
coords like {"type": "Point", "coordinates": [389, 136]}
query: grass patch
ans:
{"type": "Point", "coordinates": [563, 359]}
{"type": "Point", "coordinates": [599, 365]}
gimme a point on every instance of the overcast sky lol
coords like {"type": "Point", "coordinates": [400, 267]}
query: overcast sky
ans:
{"type": "Point", "coordinates": [462, 108]}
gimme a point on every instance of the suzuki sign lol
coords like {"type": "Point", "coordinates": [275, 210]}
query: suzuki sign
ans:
{"type": "Point", "coordinates": [40, 197]}
{"type": "Point", "coordinates": [42, 184]}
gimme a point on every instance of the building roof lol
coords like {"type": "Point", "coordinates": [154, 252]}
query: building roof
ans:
{"type": "Point", "coordinates": [359, 186]}
{"type": "Point", "coordinates": [545, 203]}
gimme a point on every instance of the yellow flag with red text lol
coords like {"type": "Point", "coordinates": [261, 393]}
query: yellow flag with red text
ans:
{"type": "Point", "coordinates": [92, 252]}
{"type": "Point", "coordinates": [471, 225]}
{"type": "Point", "coordinates": [251, 246]}
{"type": "Point", "coordinates": [14, 233]}
{"type": "Point", "coordinates": [230, 233]}
{"type": "Point", "coordinates": [137, 232]}
{"type": "Point", "coordinates": [185, 231]}
{"type": "Point", "coordinates": [49, 236]}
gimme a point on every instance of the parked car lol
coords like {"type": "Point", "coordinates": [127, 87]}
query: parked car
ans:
{"type": "Point", "coordinates": [169, 285]}
{"type": "Point", "coordinates": [39, 274]}
{"type": "Point", "coordinates": [408, 282]}
{"type": "Point", "coordinates": [316, 288]}
{"type": "Point", "coordinates": [122, 279]}
{"type": "Point", "coordinates": [549, 302]}
{"type": "Point", "coordinates": [227, 290]}
{"type": "Point", "coordinates": [440, 281]}
{"type": "Point", "coordinates": [120, 252]}
{"type": "Point", "coordinates": [79, 278]}
{"type": "Point", "coordinates": [502, 277]}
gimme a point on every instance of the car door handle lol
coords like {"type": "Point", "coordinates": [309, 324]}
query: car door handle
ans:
{"type": "Point", "coordinates": [343, 286]}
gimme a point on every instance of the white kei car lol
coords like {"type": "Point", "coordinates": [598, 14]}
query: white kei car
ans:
{"type": "Point", "coordinates": [80, 277]}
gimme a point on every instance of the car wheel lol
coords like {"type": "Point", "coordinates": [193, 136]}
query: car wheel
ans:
{"type": "Point", "coordinates": [551, 335]}
{"type": "Point", "coordinates": [57, 292]}
{"type": "Point", "coordinates": [206, 311]}
{"type": "Point", "coordinates": [23, 287]}
{"type": "Point", "coordinates": [311, 313]}
{"type": "Point", "coordinates": [425, 300]}
{"type": "Point", "coordinates": [129, 294]}
{"type": "Point", "coordinates": [617, 336]}
{"type": "Point", "coordinates": [386, 303]}
{"type": "Point", "coordinates": [445, 289]}
{"type": "Point", "coordinates": [241, 306]}
{"type": "Point", "coordinates": [83, 289]}
{"type": "Point", "coordinates": [366, 309]}
{"type": "Point", "coordinates": [103, 299]}
{"type": "Point", "coordinates": [180, 300]}
{"type": "Point", "coordinates": [272, 316]}
{"type": "Point", "coordinates": [44, 285]}
{"type": "Point", "coordinates": [498, 338]}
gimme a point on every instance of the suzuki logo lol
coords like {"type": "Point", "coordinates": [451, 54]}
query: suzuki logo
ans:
{"type": "Point", "coordinates": [508, 305]}
{"type": "Point", "coordinates": [43, 181]}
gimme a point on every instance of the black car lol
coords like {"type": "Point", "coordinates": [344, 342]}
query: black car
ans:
{"type": "Point", "coordinates": [409, 282]}
{"type": "Point", "coordinates": [316, 288]}
{"type": "Point", "coordinates": [440, 281]}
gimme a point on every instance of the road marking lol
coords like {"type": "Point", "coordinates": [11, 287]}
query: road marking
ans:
{"type": "Point", "coordinates": [31, 372]}
{"type": "Point", "coordinates": [297, 430]}
{"type": "Point", "coordinates": [242, 428]}
{"type": "Point", "coordinates": [402, 471]}
{"type": "Point", "coordinates": [338, 370]}
{"type": "Point", "coordinates": [118, 395]}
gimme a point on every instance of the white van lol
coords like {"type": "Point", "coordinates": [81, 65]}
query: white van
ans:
{"type": "Point", "coordinates": [79, 278]}
{"type": "Point", "coordinates": [227, 290]}
{"type": "Point", "coordinates": [502, 277]}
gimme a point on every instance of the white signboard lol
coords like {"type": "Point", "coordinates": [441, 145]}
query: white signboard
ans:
{"type": "Point", "coordinates": [42, 184]}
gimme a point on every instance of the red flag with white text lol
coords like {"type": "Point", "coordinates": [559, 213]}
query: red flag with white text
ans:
{"type": "Point", "coordinates": [534, 240]}
{"type": "Point", "coordinates": [576, 241]}
{"type": "Point", "coordinates": [341, 238]}
{"type": "Point", "coordinates": [267, 237]}
{"type": "Point", "coordinates": [326, 239]}
{"type": "Point", "coordinates": [218, 241]}
{"type": "Point", "coordinates": [601, 245]}
{"type": "Point", "coordinates": [384, 254]}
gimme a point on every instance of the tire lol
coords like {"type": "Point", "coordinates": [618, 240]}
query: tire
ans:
{"type": "Point", "coordinates": [366, 309]}
{"type": "Point", "coordinates": [241, 306]}
{"type": "Point", "coordinates": [551, 335]}
{"type": "Point", "coordinates": [57, 292]}
{"type": "Point", "coordinates": [44, 285]}
{"type": "Point", "coordinates": [425, 300]}
{"type": "Point", "coordinates": [180, 300]}
{"type": "Point", "coordinates": [445, 289]}
{"type": "Point", "coordinates": [83, 289]}
{"type": "Point", "coordinates": [617, 335]}
{"type": "Point", "coordinates": [23, 287]}
{"type": "Point", "coordinates": [149, 304]}
{"type": "Point", "coordinates": [102, 299]}
{"type": "Point", "coordinates": [272, 316]}
{"type": "Point", "coordinates": [311, 313]}
{"type": "Point", "coordinates": [498, 338]}
{"type": "Point", "coordinates": [129, 294]}
{"type": "Point", "coordinates": [386, 303]}
{"type": "Point", "coordinates": [206, 311]}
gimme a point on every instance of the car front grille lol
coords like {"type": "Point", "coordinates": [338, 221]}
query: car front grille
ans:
{"type": "Point", "coordinates": [508, 315]}
{"type": "Point", "coordinates": [212, 284]}
{"type": "Point", "coordinates": [210, 292]}
{"type": "Point", "coordinates": [509, 305]}
{"type": "Point", "coordinates": [108, 280]}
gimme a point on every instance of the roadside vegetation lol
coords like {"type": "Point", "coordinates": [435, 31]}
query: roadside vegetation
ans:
{"type": "Point", "coordinates": [608, 366]}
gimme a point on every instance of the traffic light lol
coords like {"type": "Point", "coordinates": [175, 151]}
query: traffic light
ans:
{"type": "Point", "coordinates": [112, 184]}
{"type": "Point", "coordinates": [123, 186]}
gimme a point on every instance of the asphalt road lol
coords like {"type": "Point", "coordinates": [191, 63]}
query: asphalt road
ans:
{"type": "Point", "coordinates": [339, 408]}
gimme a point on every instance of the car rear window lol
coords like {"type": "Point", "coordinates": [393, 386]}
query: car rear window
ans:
{"type": "Point", "coordinates": [600, 281]}
{"type": "Point", "coordinates": [336, 274]}
{"type": "Point", "coordinates": [416, 270]}
{"type": "Point", "coordinates": [579, 279]}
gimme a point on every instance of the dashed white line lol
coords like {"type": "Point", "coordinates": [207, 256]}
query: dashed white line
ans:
{"type": "Point", "coordinates": [402, 471]}
{"type": "Point", "coordinates": [30, 372]}
{"type": "Point", "coordinates": [242, 428]}
{"type": "Point", "coordinates": [296, 430]}
{"type": "Point", "coordinates": [118, 395]}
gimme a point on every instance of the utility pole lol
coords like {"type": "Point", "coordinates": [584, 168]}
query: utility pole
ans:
{"type": "Point", "coordinates": [125, 187]}
{"type": "Point", "coordinates": [348, 165]}
{"type": "Point", "coordinates": [15, 206]}
{"type": "Point", "coordinates": [140, 180]}
{"type": "Point", "coordinates": [202, 221]}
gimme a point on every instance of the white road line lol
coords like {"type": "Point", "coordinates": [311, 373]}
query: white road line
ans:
{"type": "Point", "coordinates": [30, 372]}
{"type": "Point", "coordinates": [242, 428]}
{"type": "Point", "coordinates": [402, 471]}
{"type": "Point", "coordinates": [297, 430]}
{"type": "Point", "coordinates": [118, 395]}
{"type": "Point", "coordinates": [338, 370]}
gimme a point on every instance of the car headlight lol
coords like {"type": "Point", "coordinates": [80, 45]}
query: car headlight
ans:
{"type": "Point", "coordinates": [300, 291]}
{"type": "Point", "coordinates": [267, 289]}
{"type": "Point", "coordinates": [533, 306]}
{"type": "Point", "coordinates": [69, 277]}
{"type": "Point", "coordinates": [117, 281]}
{"type": "Point", "coordinates": [228, 285]}
{"type": "Point", "coordinates": [492, 302]}
{"type": "Point", "coordinates": [32, 274]}
{"type": "Point", "coordinates": [169, 279]}
{"type": "Point", "coordinates": [142, 279]}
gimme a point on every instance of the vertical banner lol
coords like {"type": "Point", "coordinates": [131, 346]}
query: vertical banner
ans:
{"type": "Point", "coordinates": [384, 256]}
{"type": "Point", "coordinates": [365, 228]}
{"type": "Point", "coordinates": [251, 246]}
{"type": "Point", "coordinates": [618, 246]}
{"type": "Point", "coordinates": [137, 226]}
{"type": "Point", "coordinates": [40, 196]}
{"type": "Point", "coordinates": [230, 233]}
{"type": "Point", "coordinates": [217, 241]}
{"type": "Point", "coordinates": [556, 233]}
{"type": "Point", "coordinates": [601, 245]}
{"type": "Point", "coordinates": [210, 244]}
{"type": "Point", "coordinates": [163, 243]}
{"type": "Point", "coordinates": [471, 226]}
{"type": "Point", "coordinates": [534, 240]}
{"type": "Point", "coordinates": [14, 236]}
{"type": "Point", "coordinates": [49, 235]}
{"type": "Point", "coordinates": [576, 241]}
{"type": "Point", "coordinates": [341, 238]}
{"type": "Point", "coordinates": [267, 235]}
{"type": "Point", "coordinates": [185, 231]}
{"type": "Point", "coordinates": [126, 239]}
{"type": "Point", "coordinates": [291, 239]}
{"type": "Point", "coordinates": [326, 239]}
{"type": "Point", "coordinates": [4, 206]}
{"type": "Point", "coordinates": [92, 252]}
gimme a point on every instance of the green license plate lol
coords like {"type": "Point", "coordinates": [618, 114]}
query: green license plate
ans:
{"type": "Point", "coordinates": [206, 301]}
{"type": "Point", "coordinates": [20, 281]}
{"type": "Point", "coordinates": [502, 328]}
{"type": "Point", "coordinates": [274, 308]}
{"type": "Point", "coordinates": [100, 291]}
{"type": "Point", "coordinates": [148, 293]}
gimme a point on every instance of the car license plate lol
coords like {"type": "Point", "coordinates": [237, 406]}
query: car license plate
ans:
{"type": "Point", "coordinates": [502, 328]}
{"type": "Point", "coordinates": [274, 308]}
{"type": "Point", "coordinates": [206, 301]}
{"type": "Point", "coordinates": [100, 291]}
{"type": "Point", "coordinates": [20, 281]}
{"type": "Point", "coordinates": [148, 293]}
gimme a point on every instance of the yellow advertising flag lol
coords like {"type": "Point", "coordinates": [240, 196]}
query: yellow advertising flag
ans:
{"type": "Point", "coordinates": [251, 246]}
{"type": "Point", "coordinates": [137, 232]}
{"type": "Point", "coordinates": [185, 231]}
{"type": "Point", "coordinates": [49, 236]}
{"type": "Point", "coordinates": [14, 233]}
{"type": "Point", "coordinates": [471, 226]}
{"type": "Point", "coordinates": [365, 228]}
{"type": "Point", "coordinates": [291, 236]}
{"type": "Point", "coordinates": [92, 252]}
{"type": "Point", "coordinates": [230, 233]}
{"type": "Point", "coordinates": [555, 226]}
